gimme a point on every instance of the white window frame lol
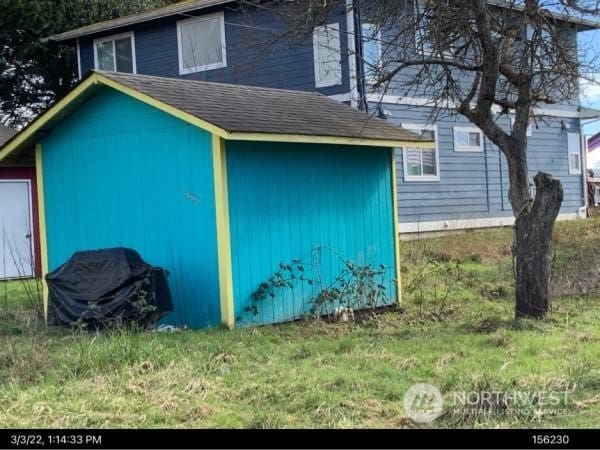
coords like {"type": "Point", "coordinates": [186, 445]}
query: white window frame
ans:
{"type": "Point", "coordinates": [467, 148]}
{"type": "Point", "coordinates": [570, 151]}
{"type": "Point", "coordinates": [114, 38]}
{"type": "Point", "coordinates": [338, 78]}
{"type": "Point", "coordinates": [425, 178]}
{"type": "Point", "coordinates": [371, 80]}
{"type": "Point", "coordinates": [187, 70]}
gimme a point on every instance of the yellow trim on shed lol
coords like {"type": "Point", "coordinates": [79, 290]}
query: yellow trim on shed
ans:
{"type": "Point", "coordinates": [186, 117]}
{"type": "Point", "coordinates": [28, 132]}
{"type": "Point", "coordinates": [310, 139]}
{"type": "Point", "coordinates": [39, 174]}
{"type": "Point", "coordinates": [223, 231]}
{"type": "Point", "coordinates": [396, 225]}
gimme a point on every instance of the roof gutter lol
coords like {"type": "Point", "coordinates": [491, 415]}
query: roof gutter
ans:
{"type": "Point", "coordinates": [589, 113]}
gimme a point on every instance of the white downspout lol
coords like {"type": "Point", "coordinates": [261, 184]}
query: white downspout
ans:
{"type": "Point", "coordinates": [584, 167]}
{"type": "Point", "coordinates": [351, 53]}
{"type": "Point", "coordinates": [78, 59]}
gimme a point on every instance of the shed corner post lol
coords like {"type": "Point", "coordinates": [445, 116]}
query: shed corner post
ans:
{"type": "Point", "coordinates": [39, 173]}
{"type": "Point", "coordinates": [223, 232]}
{"type": "Point", "coordinates": [396, 225]}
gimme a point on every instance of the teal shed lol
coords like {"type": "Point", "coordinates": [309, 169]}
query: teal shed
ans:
{"type": "Point", "coordinates": [219, 184]}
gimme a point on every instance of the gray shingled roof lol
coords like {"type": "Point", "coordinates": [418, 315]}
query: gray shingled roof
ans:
{"type": "Point", "coordinates": [249, 109]}
{"type": "Point", "coordinates": [158, 13]}
{"type": "Point", "coordinates": [5, 134]}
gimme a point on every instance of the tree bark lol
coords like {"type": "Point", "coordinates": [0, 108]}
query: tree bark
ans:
{"type": "Point", "coordinates": [531, 249]}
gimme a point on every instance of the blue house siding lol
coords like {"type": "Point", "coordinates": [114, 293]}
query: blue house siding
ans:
{"type": "Point", "coordinates": [256, 53]}
{"type": "Point", "coordinates": [318, 204]}
{"type": "Point", "coordinates": [474, 185]}
{"type": "Point", "coordinates": [394, 49]}
{"type": "Point", "coordinates": [121, 173]}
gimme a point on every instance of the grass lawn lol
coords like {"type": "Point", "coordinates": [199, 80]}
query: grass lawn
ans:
{"type": "Point", "coordinates": [455, 329]}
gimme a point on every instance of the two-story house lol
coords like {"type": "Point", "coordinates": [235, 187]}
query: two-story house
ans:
{"type": "Point", "coordinates": [463, 183]}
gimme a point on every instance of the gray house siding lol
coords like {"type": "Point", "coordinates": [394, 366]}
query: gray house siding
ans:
{"type": "Point", "coordinates": [256, 53]}
{"type": "Point", "coordinates": [473, 185]}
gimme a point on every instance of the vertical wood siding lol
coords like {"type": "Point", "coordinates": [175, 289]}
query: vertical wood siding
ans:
{"type": "Point", "coordinates": [308, 203]}
{"type": "Point", "coordinates": [120, 173]}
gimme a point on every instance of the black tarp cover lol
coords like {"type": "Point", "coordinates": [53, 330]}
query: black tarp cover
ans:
{"type": "Point", "coordinates": [103, 287]}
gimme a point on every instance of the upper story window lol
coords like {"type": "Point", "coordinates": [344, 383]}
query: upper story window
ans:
{"type": "Point", "coordinates": [201, 43]}
{"type": "Point", "coordinates": [422, 164]}
{"type": "Point", "coordinates": [371, 50]}
{"type": "Point", "coordinates": [541, 41]}
{"type": "Point", "coordinates": [423, 44]}
{"type": "Point", "coordinates": [529, 132]}
{"type": "Point", "coordinates": [115, 53]}
{"type": "Point", "coordinates": [574, 150]}
{"type": "Point", "coordinates": [468, 139]}
{"type": "Point", "coordinates": [327, 55]}
{"type": "Point", "coordinates": [430, 39]}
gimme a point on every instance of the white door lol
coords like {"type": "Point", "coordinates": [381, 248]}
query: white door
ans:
{"type": "Point", "coordinates": [16, 234]}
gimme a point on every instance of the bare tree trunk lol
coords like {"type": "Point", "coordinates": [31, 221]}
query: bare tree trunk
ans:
{"type": "Point", "coordinates": [531, 249]}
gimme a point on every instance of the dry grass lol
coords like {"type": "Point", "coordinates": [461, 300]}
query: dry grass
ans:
{"type": "Point", "coordinates": [314, 374]}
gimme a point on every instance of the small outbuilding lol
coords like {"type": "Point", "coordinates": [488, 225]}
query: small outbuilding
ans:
{"type": "Point", "coordinates": [19, 243]}
{"type": "Point", "coordinates": [222, 185]}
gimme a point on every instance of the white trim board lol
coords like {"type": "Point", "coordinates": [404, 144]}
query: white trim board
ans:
{"type": "Point", "coordinates": [341, 97]}
{"type": "Point", "coordinates": [352, 53]}
{"type": "Point", "coordinates": [79, 59]}
{"type": "Point", "coordinates": [462, 224]}
{"type": "Point", "coordinates": [423, 101]}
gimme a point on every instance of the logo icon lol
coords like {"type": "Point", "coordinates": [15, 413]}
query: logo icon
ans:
{"type": "Point", "coordinates": [423, 403]}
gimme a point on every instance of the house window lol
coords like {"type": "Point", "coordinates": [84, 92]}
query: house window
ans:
{"type": "Point", "coordinates": [327, 55]}
{"type": "Point", "coordinates": [115, 53]}
{"type": "Point", "coordinates": [543, 42]}
{"type": "Point", "coordinates": [422, 30]}
{"type": "Point", "coordinates": [529, 127]}
{"type": "Point", "coordinates": [371, 38]}
{"type": "Point", "coordinates": [574, 150]}
{"type": "Point", "coordinates": [430, 38]}
{"type": "Point", "coordinates": [421, 164]}
{"type": "Point", "coordinates": [201, 43]}
{"type": "Point", "coordinates": [468, 139]}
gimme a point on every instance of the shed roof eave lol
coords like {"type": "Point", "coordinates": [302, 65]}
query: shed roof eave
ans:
{"type": "Point", "coordinates": [94, 80]}
{"type": "Point", "coordinates": [336, 140]}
